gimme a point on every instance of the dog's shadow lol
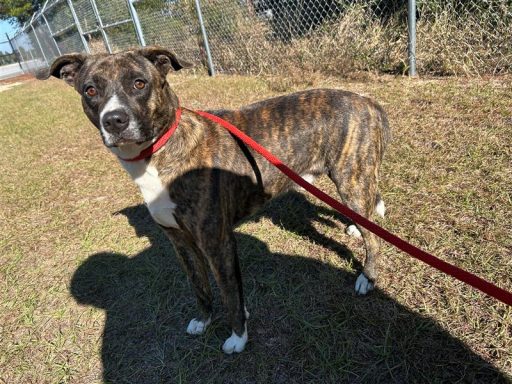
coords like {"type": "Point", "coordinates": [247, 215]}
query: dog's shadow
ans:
{"type": "Point", "coordinates": [306, 323]}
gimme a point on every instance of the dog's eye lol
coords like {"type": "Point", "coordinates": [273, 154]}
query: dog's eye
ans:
{"type": "Point", "coordinates": [91, 91]}
{"type": "Point", "coordinates": [139, 84]}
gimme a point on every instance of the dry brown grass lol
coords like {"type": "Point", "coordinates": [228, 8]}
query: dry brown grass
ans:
{"type": "Point", "coordinates": [97, 45]}
{"type": "Point", "coordinates": [92, 295]}
{"type": "Point", "coordinates": [354, 43]}
{"type": "Point", "coordinates": [449, 42]}
{"type": "Point", "coordinates": [464, 46]}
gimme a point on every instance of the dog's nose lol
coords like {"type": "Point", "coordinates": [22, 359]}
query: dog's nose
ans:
{"type": "Point", "coordinates": [115, 121]}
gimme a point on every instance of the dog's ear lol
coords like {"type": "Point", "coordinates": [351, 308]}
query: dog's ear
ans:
{"type": "Point", "coordinates": [64, 67]}
{"type": "Point", "coordinates": [163, 59]}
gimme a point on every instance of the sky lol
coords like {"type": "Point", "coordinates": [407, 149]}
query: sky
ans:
{"type": "Point", "coordinates": [6, 27]}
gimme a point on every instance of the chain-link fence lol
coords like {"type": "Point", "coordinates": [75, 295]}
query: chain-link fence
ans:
{"type": "Point", "coordinates": [9, 62]}
{"type": "Point", "coordinates": [7, 55]}
{"type": "Point", "coordinates": [282, 36]}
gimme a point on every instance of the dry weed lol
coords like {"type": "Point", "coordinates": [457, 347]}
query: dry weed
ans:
{"type": "Point", "coordinates": [449, 43]}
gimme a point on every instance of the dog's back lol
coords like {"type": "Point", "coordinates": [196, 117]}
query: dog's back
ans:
{"type": "Point", "coordinates": [313, 131]}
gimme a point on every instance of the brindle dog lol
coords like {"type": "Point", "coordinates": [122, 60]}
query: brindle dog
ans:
{"type": "Point", "coordinates": [203, 181]}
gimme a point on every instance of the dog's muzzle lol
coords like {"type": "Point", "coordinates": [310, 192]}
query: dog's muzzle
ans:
{"type": "Point", "coordinates": [116, 121]}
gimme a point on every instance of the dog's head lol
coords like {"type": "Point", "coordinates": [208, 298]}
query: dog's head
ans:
{"type": "Point", "coordinates": [125, 95]}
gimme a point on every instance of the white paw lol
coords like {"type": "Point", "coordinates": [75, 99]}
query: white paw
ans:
{"type": "Point", "coordinates": [197, 327]}
{"type": "Point", "coordinates": [235, 343]}
{"type": "Point", "coordinates": [309, 178]}
{"type": "Point", "coordinates": [353, 231]}
{"type": "Point", "coordinates": [363, 285]}
{"type": "Point", "coordinates": [380, 208]}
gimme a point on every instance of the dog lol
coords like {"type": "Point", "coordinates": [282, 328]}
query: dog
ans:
{"type": "Point", "coordinates": [203, 180]}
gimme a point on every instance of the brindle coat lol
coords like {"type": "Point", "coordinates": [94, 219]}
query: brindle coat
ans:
{"type": "Point", "coordinates": [215, 180]}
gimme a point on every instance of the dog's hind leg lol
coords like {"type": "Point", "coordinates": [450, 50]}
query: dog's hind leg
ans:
{"type": "Point", "coordinates": [194, 264]}
{"type": "Point", "coordinates": [225, 266]}
{"type": "Point", "coordinates": [366, 280]}
{"type": "Point", "coordinates": [380, 209]}
{"type": "Point", "coordinates": [361, 196]}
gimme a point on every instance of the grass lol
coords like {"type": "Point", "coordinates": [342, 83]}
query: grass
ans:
{"type": "Point", "coordinates": [91, 291]}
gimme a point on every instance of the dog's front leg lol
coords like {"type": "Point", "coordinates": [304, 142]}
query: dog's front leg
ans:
{"type": "Point", "coordinates": [223, 259]}
{"type": "Point", "coordinates": [194, 264]}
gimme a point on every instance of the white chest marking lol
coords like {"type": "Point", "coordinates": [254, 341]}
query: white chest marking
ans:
{"type": "Point", "coordinates": [155, 194]}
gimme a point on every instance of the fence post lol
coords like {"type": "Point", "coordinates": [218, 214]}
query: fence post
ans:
{"type": "Point", "coordinates": [100, 23]}
{"type": "Point", "coordinates": [136, 22]}
{"type": "Point", "coordinates": [38, 42]}
{"type": "Point", "coordinates": [15, 53]}
{"type": "Point", "coordinates": [211, 69]}
{"type": "Point", "coordinates": [78, 26]}
{"type": "Point", "coordinates": [411, 45]}
{"type": "Point", "coordinates": [50, 29]}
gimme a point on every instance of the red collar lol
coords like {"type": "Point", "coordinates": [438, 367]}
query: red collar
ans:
{"type": "Point", "coordinates": [162, 140]}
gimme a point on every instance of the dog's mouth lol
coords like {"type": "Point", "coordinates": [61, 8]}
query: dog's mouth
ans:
{"type": "Point", "coordinates": [123, 142]}
{"type": "Point", "coordinates": [126, 138]}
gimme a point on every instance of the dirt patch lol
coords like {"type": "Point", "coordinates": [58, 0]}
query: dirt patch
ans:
{"type": "Point", "coordinates": [17, 79]}
{"type": "Point", "coordinates": [12, 82]}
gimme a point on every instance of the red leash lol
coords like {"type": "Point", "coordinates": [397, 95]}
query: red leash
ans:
{"type": "Point", "coordinates": [460, 274]}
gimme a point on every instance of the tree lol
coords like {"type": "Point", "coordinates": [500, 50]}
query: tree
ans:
{"type": "Point", "coordinates": [18, 11]}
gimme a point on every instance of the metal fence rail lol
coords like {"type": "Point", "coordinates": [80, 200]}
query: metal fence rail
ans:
{"type": "Point", "coordinates": [9, 61]}
{"type": "Point", "coordinates": [7, 55]}
{"type": "Point", "coordinates": [283, 36]}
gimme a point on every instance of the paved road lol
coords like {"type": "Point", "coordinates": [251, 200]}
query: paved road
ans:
{"type": "Point", "coordinates": [10, 70]}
